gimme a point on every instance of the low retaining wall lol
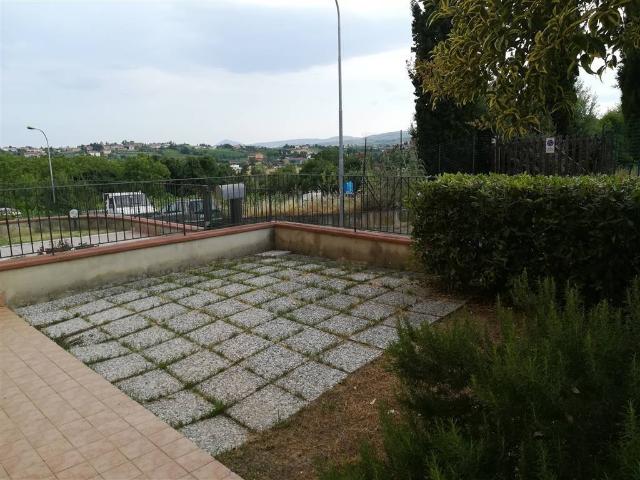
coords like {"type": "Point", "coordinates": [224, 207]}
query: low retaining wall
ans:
{"type": "Point", "coordinates": [380, 249]}
{"type": "Point", "coordinates": [33, 279]}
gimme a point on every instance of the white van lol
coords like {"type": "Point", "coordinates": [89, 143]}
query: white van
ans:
{"type": "Point", "coordinates": [128, 203]}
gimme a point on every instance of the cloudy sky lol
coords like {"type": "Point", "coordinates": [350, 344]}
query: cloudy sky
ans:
{"type": "Point", "coordinates": [203, 71]}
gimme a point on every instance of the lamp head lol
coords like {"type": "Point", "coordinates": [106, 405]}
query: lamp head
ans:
{"type": "Point", "coordinates": [31, 128]}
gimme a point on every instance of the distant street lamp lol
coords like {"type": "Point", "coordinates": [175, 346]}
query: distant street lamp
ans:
{"type": "Point", "coordinates": [53, 187]}
{"type": "Point", "coordinates": [341, 151]}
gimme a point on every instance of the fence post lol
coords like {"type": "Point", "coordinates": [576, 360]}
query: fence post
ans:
{"type": "Point", "coordinates": [269, 195]}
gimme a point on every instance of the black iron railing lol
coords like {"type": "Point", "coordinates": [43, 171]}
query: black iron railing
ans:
{"type": "Point", "coordinates": [85, 216]}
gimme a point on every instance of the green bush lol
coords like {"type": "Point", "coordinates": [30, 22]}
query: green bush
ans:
{"type": "Point", "coordinates": [555, 398]}
{"type": "Point", "coordinates": [481, 231]}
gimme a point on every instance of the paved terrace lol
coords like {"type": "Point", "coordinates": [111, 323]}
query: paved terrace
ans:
{"type": "Point", "coordinates": [235, 347]}
{"type": "Point", "coordinates": [60, 420]}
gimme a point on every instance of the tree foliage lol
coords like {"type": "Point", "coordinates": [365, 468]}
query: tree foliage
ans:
{"type": "Point", "coordinates": [523, 57]}
{"type": "Point", "coordinates": [629, 81]}
{"type": "Point", "coordinates": [445, 122]}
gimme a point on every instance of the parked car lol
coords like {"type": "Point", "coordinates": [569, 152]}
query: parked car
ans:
{"type": "Point", "coordinates": [10, 212]}
{"type": "Point", "coordinates": [128, 203]}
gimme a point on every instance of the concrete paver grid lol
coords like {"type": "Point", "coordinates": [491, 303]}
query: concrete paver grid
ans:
{"type": "Point", "coordinates": [240, 345]}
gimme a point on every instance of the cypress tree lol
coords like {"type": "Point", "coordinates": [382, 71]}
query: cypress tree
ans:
{"type": "Point", "coordinates": [628, 80]}
{"type": "Point", "coordinates": [443, 135]}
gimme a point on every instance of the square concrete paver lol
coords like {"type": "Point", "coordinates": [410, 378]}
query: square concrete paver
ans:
{"type": "Point", "coordinates": [256, 297]}
{"type": "Point", "coordinates": [273, 362]}
{"type": "Point", "coordinates": [170, 351]}
{"type": "Point", "coordinates": [188, 322]}
{"type": "Point", "coordinates": [278, 329]}
{"type": "Point", "coordinates": [350, 356]}
{"type": "Point", "coordinates": [312, 314]}
{"type": "Point", "coordinates": [181, 408]}
{"type": "Point", "coordinates": [266, 408]}
{"type": "Point", "coordinates": [311, 380]}
{"type": "Point", "coordinates": [373, 311]}
{"type": "Point", "coordinates": [101, 351]}
{"type": "Point", "coordinates": [344, 325]}
{"type": "Point", "coordinates": [226, 308]}
{"type": "Point", "coordinates": [125, 326]}
{"type": "Point", "coordinates": [251, 317]}
{"type": "Point", "coordinates": [91, 307]}
{"type": "Point", "coordinates": [311, 341]}
{"type": "Point", "coordinates": [231, 385]}
{"type": "Point", "coordinates": [282, 305]}
{"type": "Point", "coordinates": [216, 435]}
{"type": "Point", "coordinates": [340, 301]}
{"type": "Point", "coordinates": [198, 367]}
{"type": "Point", "coordinates": [144, 304]}
{"type": "Point", "coordinates": [213, 334]}
{"type": "Point", "coordinates": [150, 385]}
{"type": "Point", "coordinates": [241, 346]}
{"type": "Point", "coordinates": [67, 327]}
{"type": "Point", "coordinates": [380, 336]}
{"type": "Point", "coordinates": [109, 315]}
{"type": "Point", "coordinates": [165, 312]}
{"type": "Point", "coordinates": [199, 300]}
{"type": "Point", "coordinates": [147, 338]}
{"type": "Point", "coordinates": [122, 367]}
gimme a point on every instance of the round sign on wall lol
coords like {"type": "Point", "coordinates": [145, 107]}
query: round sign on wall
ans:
{"type": "Point", "coordinates": [73, 213]}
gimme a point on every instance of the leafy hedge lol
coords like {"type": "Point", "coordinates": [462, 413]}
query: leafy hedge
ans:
{"type": "Point", "coordinates": [483, 230]}
{"type": "Point", "coordinates": [556, 398]}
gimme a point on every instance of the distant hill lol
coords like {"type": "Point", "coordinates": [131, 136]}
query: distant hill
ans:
{"type": "Point", "coordinates": [390, 138]}
{"type": "Point", "coordinates": [228, 142]}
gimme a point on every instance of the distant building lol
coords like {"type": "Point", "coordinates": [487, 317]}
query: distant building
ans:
{"type": "Point", "coordinates": [295, 160]}
{"type": "Point", "coordinates": [33, 152]}
{"type": "Point", "coordinates": [256, 157]}
{"type": "Point", "coordinates": [236, 168]}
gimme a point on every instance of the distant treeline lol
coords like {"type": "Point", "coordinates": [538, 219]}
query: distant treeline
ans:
{"type": "Point", "coordinates": [18, 171]}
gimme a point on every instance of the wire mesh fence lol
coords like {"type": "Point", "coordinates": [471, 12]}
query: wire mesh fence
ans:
{"type": "Point", "coordinates": [85, 216]}
{"type": "Point", "coordinates": [539, 155]}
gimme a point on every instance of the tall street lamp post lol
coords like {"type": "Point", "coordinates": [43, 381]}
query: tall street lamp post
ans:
{"type": "Point", "coordinates": [53, 187]}
{"type": "Point", "coordinates": [341, 150]}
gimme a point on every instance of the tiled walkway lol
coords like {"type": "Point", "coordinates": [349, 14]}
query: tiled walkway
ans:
{"type": "Point", "coordinates": [59, 419]}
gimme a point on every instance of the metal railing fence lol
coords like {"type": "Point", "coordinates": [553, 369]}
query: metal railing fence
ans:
{"type": "Point", "coordinates": [89, 215]}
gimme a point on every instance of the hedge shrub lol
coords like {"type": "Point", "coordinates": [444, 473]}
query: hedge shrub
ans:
{"type": "Point", "coordinates": [556, 398]}
{"type": "Point", "coordinates": [483, 230]}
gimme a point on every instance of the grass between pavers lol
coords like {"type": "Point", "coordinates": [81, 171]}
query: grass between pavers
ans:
{"type": "Point", "coordinates": [315, 285]}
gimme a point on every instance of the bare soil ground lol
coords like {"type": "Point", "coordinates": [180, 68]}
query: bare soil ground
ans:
{"type": "Point", "coordinates": [333, 427]}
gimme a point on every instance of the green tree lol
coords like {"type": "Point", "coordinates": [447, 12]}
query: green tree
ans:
{"type": "Point", "coordinates": [523, 56]}
{"type": "Point", "coordinates": [444, 122]}
{"type": "Point", "coordinates": [629, 81]}
{"type": "Point", "coordinates": [585, 118]}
